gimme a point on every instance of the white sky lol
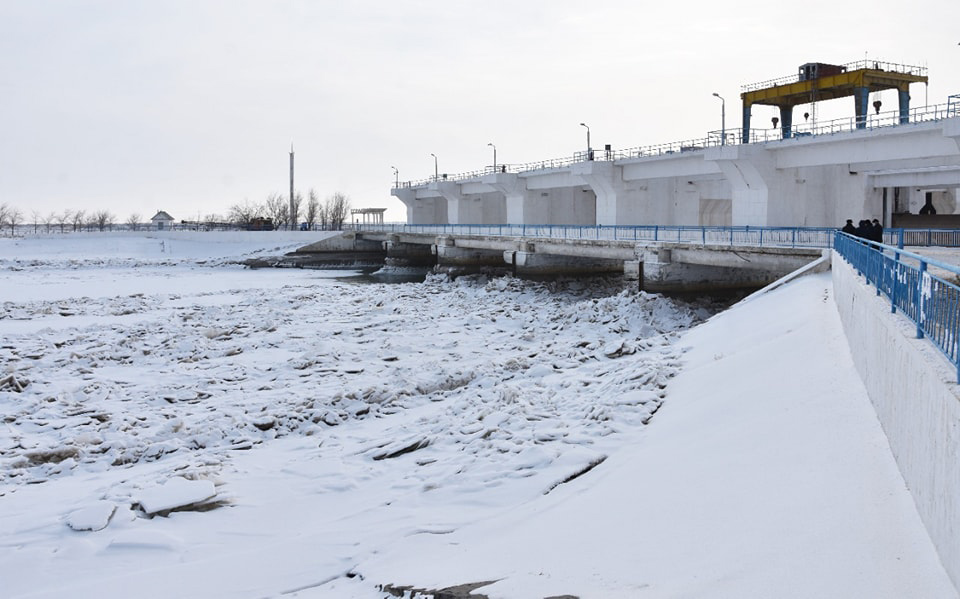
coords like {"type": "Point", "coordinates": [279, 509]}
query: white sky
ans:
{"type": "Point", "coordinates": [190, 106]}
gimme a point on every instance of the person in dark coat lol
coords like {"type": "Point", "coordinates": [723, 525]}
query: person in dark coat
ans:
{"type": "Point", "coordinates": [877, 231]}
{"type": "Point", "coordinates": [848, 228]}
{"type": "Point", "coordinates": [864, 229]}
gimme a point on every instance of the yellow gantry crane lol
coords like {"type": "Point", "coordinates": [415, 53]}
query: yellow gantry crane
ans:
{"type": "Point", "coordinates": [818, 81]}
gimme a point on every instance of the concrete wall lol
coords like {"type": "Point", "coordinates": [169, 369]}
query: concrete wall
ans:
{"type": "Point", "coordinates": [426, 211]}
{"type": "Point", "coordinates": [482, 209]}
{"type": "Point", "coordinates": [562, 206]}
{"type": "Point", "coordinates": [914, 390]}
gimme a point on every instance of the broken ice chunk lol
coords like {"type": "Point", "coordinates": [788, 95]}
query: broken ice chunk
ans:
{"type": "Point", "coordinates": [94, 517]}
{"type": "Point", "coordinates": [176, 493]}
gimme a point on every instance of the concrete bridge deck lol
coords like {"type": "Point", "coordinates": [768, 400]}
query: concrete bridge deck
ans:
{"type": "Point", "coordinates": [819, 178]}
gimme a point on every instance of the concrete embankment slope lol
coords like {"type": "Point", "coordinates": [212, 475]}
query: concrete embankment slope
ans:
{"type": "Point", "coordinates": [914, 390]}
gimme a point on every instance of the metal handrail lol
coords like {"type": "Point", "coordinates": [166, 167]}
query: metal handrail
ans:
{"type": "Point", "coordinates": [800, 237]}
{"type": "Point", "coordinates": [734, 136]}
{"type": "Point", "coordinates": [926, 298]}
{"type": "Point", "coordinates": [793, 237]}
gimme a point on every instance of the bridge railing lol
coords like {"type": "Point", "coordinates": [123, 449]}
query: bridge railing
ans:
{"type": "Point", "coordinates": [810, 237]}
{"type": "Point", "coordinates": [732, 136]}
{"type": "Point", "coordinates": [930, 298]}
{"type": "Point", "coordinates": [819, 237]}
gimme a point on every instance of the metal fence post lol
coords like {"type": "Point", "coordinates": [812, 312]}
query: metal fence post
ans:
{"type": "Point", "coordinates": [894, 283]}
{"type": "Point", "coordinates": [920, 300]}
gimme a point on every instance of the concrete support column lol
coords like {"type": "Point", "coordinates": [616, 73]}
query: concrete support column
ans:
{"type": "Point", "coordinates": [904, 96]}
{"type": "Point", "coordinates": [750, 170]}
{"type": "Point", "coordinates": [951, 129]}
{"type": "Point", "coordinates": [534, 264]}
{"type": "Point", "coordinates": [606, 181]}
{"type": "Point", "coordinates": [861, 96]}
{"type": "Point", "coordinates": [458, 260]}
{"type": "Point", "coordinates": [402, 254]}
{"type": "Point", "coordinates": [408, 196]}
{"type": "Point", "coordinates": [450, 191]}
{"type": "Point", "coordinates": [423, 207]}
{"type": "Point", "coordinates": [746, 123]}
{"type": "Point", "coordinates": [786, 121]}
{"type": "Point", "coordinates": [514, 190]}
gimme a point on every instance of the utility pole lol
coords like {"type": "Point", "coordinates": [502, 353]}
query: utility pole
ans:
{"type": "Point", "coordinates": [290, 217]}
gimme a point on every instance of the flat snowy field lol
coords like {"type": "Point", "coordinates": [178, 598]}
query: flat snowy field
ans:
{"type": "Point", "coordinates": [177, 426]}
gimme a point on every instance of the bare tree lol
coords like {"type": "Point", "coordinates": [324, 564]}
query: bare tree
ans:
{"type": "Point", "coordinates": [212, 221]}
{"type": "Point", "coordinates": [78, 218]}
{"type": "Point", "coordinates": [63, 219]}
{"type": "Point", "coordinates": [4, 209]}
{"type": "Point", "coordinates": [295, 207]}
{"type": "Point", "coordinates": [48, 220]}
{"type": "Point", "coordinates": [133, 221]}
{"type": "Point", "coordinates": [313, 207]}
{"type": "Point", "coordinates": [36, 216]}
{"type": "Point", "coordinates": [102, 220]}
{"type": "Point", "coordinates": [337, 208]}
{"type": "Point", "coordinates": [243, 214]}
{"type": "Point", "coordinates": [14, 218]}
{"type": "Point", "coordinates": [277, 209]}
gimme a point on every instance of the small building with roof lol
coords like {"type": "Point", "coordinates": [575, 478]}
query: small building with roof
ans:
{"type": "Point", "coordinates": [162, 220]}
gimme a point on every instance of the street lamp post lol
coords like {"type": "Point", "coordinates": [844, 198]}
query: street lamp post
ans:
{"type": "Point", "coordinates": [396, 178]}
{"type": "Point", "coordinates": [494, 156]}
{"type": "Point", "coordinates": [723, 119]}
{"type": "Point", "coordinates": [436, 173]}
{"type": "Point", "coordinates": [588, 139]}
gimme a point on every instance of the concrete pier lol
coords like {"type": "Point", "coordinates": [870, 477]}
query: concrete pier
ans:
{"type": "Point", "coordinates": [657, 266]}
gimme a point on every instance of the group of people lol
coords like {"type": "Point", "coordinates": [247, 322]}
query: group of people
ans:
{"type": "Point", "coordinates": [866, 229]}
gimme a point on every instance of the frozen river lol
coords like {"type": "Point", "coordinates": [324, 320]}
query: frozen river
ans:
{"type": "Point", "coordinates": [325, 418]}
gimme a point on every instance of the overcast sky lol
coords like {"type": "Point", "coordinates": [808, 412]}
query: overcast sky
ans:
{"type": "Point", "coordinates": [190, 106]}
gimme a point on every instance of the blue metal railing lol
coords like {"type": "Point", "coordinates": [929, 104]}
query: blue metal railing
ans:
{"type": "Point", "coordinates": [927, 298]}
{"type": "Point", "coordinates": [817, 237]}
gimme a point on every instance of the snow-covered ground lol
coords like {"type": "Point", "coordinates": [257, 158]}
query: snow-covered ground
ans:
{"type": "Point", "coordinates": [175, 425]}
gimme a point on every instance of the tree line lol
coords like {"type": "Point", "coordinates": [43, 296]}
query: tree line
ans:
{"type": "Point", "coordinates": [330, 213]}
{"type": "Point", "coordinates": [74, 220]}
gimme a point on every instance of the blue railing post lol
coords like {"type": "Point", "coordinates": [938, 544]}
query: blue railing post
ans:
{"type": "Point", "coordinates": [920, 299]}
{"type": "Point", "coordinates": [894, 283]}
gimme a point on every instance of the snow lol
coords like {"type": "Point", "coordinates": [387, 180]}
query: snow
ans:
{"type": "Point", "coordinates": [94, 517]}
{"type": "Point", "coordinates": [192, 428]}
{"type": "Point", "coordinates": [176, 492]}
